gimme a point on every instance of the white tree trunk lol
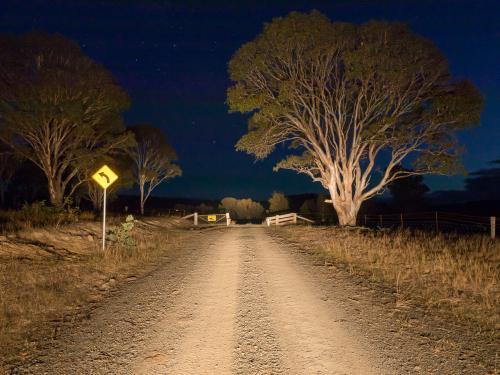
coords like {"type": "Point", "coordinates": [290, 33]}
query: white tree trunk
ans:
{"type": "Point", "coordinates": [346, 206]}
{"type": "Point", "coordinates": [142, 197]}
{"type": "Point", "coordinates": [347, 214]}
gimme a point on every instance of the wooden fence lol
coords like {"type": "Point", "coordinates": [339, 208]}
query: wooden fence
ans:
{"type": "Point", "coordinates": [285, 219]}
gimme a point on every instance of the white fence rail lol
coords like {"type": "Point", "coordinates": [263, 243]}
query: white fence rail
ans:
{"type": "Point", "coordinates": [209, 218]}
{"type": "Point", "coordinates": [291, 218]}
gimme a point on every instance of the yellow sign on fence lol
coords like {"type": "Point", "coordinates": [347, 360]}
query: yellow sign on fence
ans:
{"type": "Point", "coordinates": [212, 218]}
{"type": "Point", "coordinates": [105, 176]}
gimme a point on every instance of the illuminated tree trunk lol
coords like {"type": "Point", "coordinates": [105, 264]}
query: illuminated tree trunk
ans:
{"type": "Point", "coordinates": [346, 206]}
{"type": "Point", "coordinates": [55, 192]}
{"type": "Point", "coordinates": [142, 182]}
{"type": "Point", "coordinates": [347, 213]}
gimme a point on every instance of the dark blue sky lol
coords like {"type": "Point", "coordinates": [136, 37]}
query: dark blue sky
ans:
{"type": "Point", "coordinates": [171, 57]}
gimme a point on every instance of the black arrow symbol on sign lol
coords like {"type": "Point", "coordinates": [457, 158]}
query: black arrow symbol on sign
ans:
{"type": "Point", "coordinates": [104, 175]}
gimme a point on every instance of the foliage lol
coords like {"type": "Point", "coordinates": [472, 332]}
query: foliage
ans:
{"type": "Point", "coordinates": [122, 234]}
{"type": "Point", "coordinates": [308, 207]}
{"type": "Point", "coordinates": [38, 214]}
{"type": "Point", "coordinates": [350, 99]}
{"type": "Point", "coordinates": [242, 209]}
{"type": "Point", "coordinates": [153, 160]}
{"type": "Point", "coordinates": [59, 109]}
{"type": "Point", "coordinates": [409, 192]}
{"type": "Point", "coordinates": [278, 202]}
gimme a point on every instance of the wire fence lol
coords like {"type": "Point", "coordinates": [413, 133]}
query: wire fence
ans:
{"type": "Point", "coordinates": [437, 221]}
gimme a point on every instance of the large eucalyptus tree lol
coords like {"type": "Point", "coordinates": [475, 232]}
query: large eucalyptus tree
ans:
{"type": "Point", "coordinates": [58, 108]}
{"type": "Point", "coordinates": [352, 102]}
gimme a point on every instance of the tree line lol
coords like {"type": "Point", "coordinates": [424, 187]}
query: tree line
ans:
{"type": "Point", "coordinates": [61, 113]}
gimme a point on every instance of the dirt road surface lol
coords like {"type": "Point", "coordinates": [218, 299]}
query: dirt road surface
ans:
{"type": "Point", "coordinates": [236, 301]}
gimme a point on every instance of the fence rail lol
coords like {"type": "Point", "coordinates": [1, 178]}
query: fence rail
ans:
{"type": "Point", "coordinates": [290, 218]}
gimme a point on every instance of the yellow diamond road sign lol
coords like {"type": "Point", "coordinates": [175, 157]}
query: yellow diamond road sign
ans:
{"type": "Point", "coordinates": [212, 218]}
{"type": "Point", "coordinates": [105, 176]}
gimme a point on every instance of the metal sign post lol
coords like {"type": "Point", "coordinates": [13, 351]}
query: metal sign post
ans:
{"type": "Point", "coordinates": [104, 177]}
{"type": "Point", "coordinates": [104, 220]}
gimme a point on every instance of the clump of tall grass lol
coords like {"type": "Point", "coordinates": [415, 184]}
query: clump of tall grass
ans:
{"type": "Point", "coordinates": [456, 274]}
{"type": "Point", "coordinates": [39, 214]}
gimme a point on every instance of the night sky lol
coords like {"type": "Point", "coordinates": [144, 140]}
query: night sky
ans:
{"type": "Point", "coordinates": [171, 57]}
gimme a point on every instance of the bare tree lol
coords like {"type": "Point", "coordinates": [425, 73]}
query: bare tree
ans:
{"type": "Point", "coordinates": [278, 202]}
{"type": "Point", "coordinates": [58, 108]}
{"type": "Point", "coordinates": [357, 100]}
{"type": "Point", "coordinates": [153, 160]}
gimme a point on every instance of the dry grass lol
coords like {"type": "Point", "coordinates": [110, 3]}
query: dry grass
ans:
{"type": "Point", "coordinates": [38, 293]}
{"type": "Point", "coordinates": [454, 274]}
{"type": "Point", "coordinates": [38, 215]}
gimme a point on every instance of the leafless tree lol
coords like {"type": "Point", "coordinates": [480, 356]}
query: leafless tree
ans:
{"type": "Point", "coordinates": [153, 160]}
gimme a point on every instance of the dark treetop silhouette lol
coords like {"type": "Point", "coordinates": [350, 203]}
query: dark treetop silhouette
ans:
{"type": "Point", "coordinates": [59, 109]}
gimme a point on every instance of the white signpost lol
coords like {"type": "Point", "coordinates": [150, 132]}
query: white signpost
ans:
{"type": "Point", "coordinates": [104, 177]}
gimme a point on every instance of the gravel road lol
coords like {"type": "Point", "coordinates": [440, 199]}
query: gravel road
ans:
{"type": "Point", "coordinates": [236, 301]}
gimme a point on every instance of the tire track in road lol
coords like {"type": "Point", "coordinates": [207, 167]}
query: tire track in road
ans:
{"type": "Point", "coordinates": [308, 328]}
{"type": "Point", "coordinates": [202, 323]}
{"type": "Point", "coordinates": [257, 350]}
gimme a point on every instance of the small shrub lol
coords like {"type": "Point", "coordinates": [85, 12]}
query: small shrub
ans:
{"type": "Point", "coordinates": [122, 234]}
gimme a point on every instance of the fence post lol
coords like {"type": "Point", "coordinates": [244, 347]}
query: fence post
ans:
{"type": "Point", "coordinates": [295, 218]}
{"type": "Point", "coordinates": [437, 224]}
{"type": "Point", "coordinates": [277, 219]}
{"type": "Point", "coordinates": [493, 225]}
{"type": "Point", "coordinates": [196, 218]}
{"type": "Point", "coordinates": [228, 219]}
{"type": "Point", "coordinates": [380, 220]}
{"type": "Point", "coordinates": [402, 223]}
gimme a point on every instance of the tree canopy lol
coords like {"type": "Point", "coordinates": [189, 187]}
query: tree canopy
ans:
{"type": "Point", "coordinates": [348, 100]}
{"type": "Point", "coordinates": [409, 192]}
{"type": "Point", "coordinates": [278, 202]}
{"type": "Point", "coordinates": [58, 108]}
{"type": "Point", "coordinates": [242, 209]}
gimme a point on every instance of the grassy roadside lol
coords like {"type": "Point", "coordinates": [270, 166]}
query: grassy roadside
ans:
{"type": "Point", "coordinates": [43, 285]}
{"type": "Point", "coordinates": [456, 276]}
